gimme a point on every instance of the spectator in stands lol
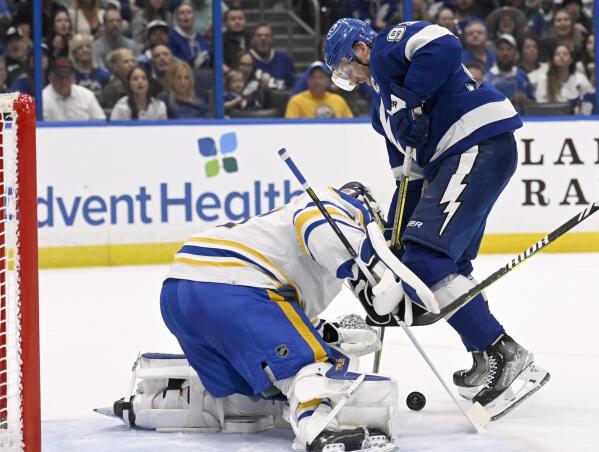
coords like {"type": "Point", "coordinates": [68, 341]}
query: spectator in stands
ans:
{"type": "Point", "coordinates": [582, 22]}
{"type": "Point", "coordinates": [529, 60]}
{"type": "Point", "coordinates": [419, 12]}
{"type": "Point", "coordinates": [15, 54]}
{"type": "Point", "coordinates": [562, 31]}
{"type": "Point", "coordinates": [316, 101]}
{"type": "Point", "coordinates": [65, 101]}
{"type": "Point", "coordinates": [60, 34]}
{"type": "Point", "coordinates": [113, 38]}
{"type": "Point", "coordinates": [154, 10]}
{"type": "Point", "coordinates": [506, 20]}
{"type": "Point", "coordinates": [539, 19]}
{"type": "Point", "coordinates": [120, 62]}
{"type": "Point", "coordinates": [378, 14]}
{"type": "Point", "coordinates": [24, 14]}
{"type": "Point", "coordinates": [586, 65]}
{"type": "Point", "coordinates": [87, 73]}
{"type": "Point", "coordinates": [157, 34]}
{"type": "Point", "coordinates": [203, 16]}
{"type": "Point", "coordinates": [562, 83]}
{"type": "Point", "coordinates": [25, 83]}
{"type": "Point", "coordinates": [278, 65]}
{"type": "Point", "coordinates": [236, 38]}
{"type": "Point", "coordinates": [138, 103]}
{"type": "Point", "coordinates": [465, 14]}
{"type": "Point", "coordinates": [161, 61]}
{"type": "Point", "coordinates": [86, 17]}
{"type": "Point", "coordinates": [475, 45]}
{"type": "Point", "coordinates": [180, 97]}
{"type": "Point", "coordinates": [185, 43]}
{"type": "Point", "coordinates": [255, 82]}
{"type": "Point", "coordinates": [506, 76]}
{"type": "Point", "coordinates": [3, 74]}
{"type": "Point", "coordinates": [446, 19]}
{"type": "Point", "coordinates": [477, 71]}
{"type": "Point", "coordinates": [235, 96]}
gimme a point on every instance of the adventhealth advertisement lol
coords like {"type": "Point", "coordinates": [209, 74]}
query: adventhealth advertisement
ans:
{"type": "Point", "coordinates": [122, 185]}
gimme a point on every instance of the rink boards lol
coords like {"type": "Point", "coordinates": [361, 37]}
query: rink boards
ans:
{"type": "Point", "coordinates": [133, 193]}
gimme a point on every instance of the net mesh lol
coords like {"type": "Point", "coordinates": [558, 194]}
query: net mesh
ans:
{"type": "Point", "coordinates": [11, 424]}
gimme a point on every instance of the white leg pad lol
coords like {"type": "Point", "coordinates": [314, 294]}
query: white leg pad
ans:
{"type": "Point", "coordinates": [189, 406]}
{"type": "Point", "coordinates": [369, 403]}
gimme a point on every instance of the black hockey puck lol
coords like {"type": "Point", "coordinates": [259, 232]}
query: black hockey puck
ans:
{"type": "Point", "coordinates": [415, 401]}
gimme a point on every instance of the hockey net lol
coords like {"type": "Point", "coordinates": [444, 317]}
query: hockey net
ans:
{"type": "Point", "coordinates": [19, 326]}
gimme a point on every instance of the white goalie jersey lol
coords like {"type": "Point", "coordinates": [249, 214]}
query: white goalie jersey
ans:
{"type": "Point", "coordinates": [291, 248]}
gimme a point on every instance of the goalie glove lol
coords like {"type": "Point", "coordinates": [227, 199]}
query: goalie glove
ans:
{"type": "Point", "coordinates": [350, 334]}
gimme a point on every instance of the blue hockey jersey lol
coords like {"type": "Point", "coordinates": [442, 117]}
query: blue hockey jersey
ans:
{"type": "Point", "coordinates": [426, 59]}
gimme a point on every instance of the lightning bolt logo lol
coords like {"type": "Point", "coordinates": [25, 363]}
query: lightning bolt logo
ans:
{"type": "Point", "coordinates": [455, 187]}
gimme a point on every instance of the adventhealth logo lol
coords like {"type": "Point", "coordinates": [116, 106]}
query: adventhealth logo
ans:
{"type": "Point", "coordinates": [228, 145]}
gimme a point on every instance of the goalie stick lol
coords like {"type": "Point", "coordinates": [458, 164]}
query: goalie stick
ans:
{"type": "Point", "coordinates": [476, 415]}
{"type": "Point", "coordinates": [428, 318]}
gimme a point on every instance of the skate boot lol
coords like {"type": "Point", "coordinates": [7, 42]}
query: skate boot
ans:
{"type": "Point", "coordinates": [355, 439]}
{"type": "Point", "coordinates": [512, 377]}
{"type": "Point", "coordinates": [471, 381]}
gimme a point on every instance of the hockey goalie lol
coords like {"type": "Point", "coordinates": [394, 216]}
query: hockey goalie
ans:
{"type": "Point", "coordinates": [240, 297]}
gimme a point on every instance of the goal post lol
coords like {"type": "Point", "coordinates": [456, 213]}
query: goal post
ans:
{"type": "Point", "coordinates": [20, 419]}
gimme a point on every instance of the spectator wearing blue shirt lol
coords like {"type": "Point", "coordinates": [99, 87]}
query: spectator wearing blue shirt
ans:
{"type": "Point", "coordinates": [25, 82]}
{"type": "Point", "coordinates": [180, 98]}
{"type": "Point", "coordinates": [276, 64]}
{"type": "Point", "coordinates": [87, 73]}
{"type": "Point", "coordinates": [476, 45]}
{"type": "Point", "coordinates": [465, 13]}
{"type": "Point", "coordinates": [506, 76]}
{"type": "Point", "coordinates": [540, 19]}
{"type": "Point", "coordinates": [185, 43]}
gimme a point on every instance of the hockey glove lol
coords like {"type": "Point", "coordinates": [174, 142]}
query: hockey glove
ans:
{"type": "Point", "coordinates": [350, 334]}
{"type": "Point", "coordinates": [412, 128]}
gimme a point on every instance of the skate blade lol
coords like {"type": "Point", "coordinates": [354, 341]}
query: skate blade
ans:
{"type": "Point", "coordinates": [527, 383]}
{"type": "Point", "coordinates": [106, 411]}
{"type": "Point", "coordinates": [386, 447]}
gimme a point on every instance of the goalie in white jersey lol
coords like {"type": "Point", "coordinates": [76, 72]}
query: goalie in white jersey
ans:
{"type": "Point", "coordinates": [240, 299]}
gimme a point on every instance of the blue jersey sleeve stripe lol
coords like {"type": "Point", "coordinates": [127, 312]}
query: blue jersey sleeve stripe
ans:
{"type": "Point", "coordinates": [317, 223]}
{"type": "Point", "coordinates": [424, 37]}
{"type": "Point", "coordinates": [324, 203]}
{"type": "Point", "coordinates": [357, 204]}
{"type": "Point", "coordinates": [344, 270]}
{"type": "Point", "coordinates": [218, 252]}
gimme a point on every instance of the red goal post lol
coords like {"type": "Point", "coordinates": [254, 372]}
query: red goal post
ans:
{"type": "Point", "coordinates": [20, 423]}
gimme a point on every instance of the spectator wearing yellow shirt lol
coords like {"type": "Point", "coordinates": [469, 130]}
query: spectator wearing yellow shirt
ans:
{"type": "Point", "coordinates": [316, 101]}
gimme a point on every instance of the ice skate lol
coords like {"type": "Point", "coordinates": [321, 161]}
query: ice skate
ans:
{"type": "Point", "coordinates": [356, 439]}
{"type": "Point", "coordinates": [471, 381]}
{"type": "Point", "coordinates": [512, 377]}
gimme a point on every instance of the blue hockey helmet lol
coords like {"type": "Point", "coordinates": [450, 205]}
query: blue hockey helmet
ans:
{"type": "Point", "coordinates": [340, 40]}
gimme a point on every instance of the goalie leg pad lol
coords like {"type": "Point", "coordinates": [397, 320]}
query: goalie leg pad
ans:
{"type": "Point", "coordinates": [353, 400]}
{"type": "Point", "coordinates": [166, 401]}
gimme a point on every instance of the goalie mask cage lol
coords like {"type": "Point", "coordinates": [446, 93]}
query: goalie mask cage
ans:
{"type": "Point", "coordinates": [20, 428]}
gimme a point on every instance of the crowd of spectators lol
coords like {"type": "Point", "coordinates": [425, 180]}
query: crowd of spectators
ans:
{"type": "Point", "coordinates": [153, 59]}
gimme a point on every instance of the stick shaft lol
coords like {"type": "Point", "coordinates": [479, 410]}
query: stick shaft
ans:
{"type": "Point", "coordinates": [302, 180]}
{"type": "Point", "coordinates": [428, 318]}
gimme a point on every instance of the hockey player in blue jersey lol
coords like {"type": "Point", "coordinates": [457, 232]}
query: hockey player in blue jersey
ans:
{"type": "Point", "coordinates": [243, 300]}
{"type": "Point", "coordinates": [464, 154]}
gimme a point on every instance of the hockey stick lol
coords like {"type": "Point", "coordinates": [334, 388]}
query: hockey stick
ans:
{"type": "Point", "coordinates": [428, 318]}
{"type": "Point", "coordinates": [475, 415]}
{"type": "Point", "coordinates": [300, 178]}
{"type": "Point", "coordinates": [396, 233]}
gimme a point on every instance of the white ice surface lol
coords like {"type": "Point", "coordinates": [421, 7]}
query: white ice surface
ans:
{"type": "Point", "coordinates": [95, 320]}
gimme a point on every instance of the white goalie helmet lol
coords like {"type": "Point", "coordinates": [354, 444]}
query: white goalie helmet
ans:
{"type": "Point", "coordinates": [362, 193]}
